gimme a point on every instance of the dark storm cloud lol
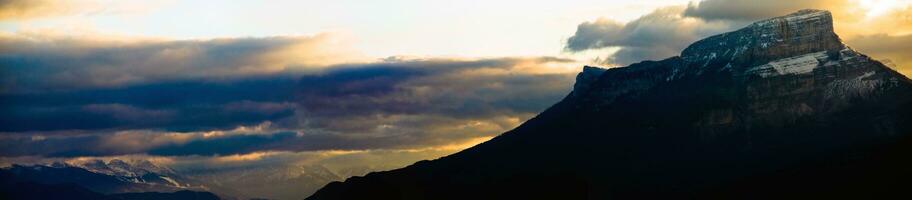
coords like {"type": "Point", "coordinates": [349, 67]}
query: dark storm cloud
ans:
{"type": "Point", "coordinates": [429, 86]}
{"type": "Point", "coordinates": [657, 35]}
{"type": "Point", "coordinates": [225, 146]}
{"type": "Point", "coordinates": [40, 63]}
{"type": "Point", "coordinates": [171, 106]}
{"type": "Point", "coordinates": [69, 96]}
{"type": "Point", "coordinates": [40, 146]}
{"type": "Point", "coordinates": [386, 105]}
{"type": "Point", "coordinates": [750, 10]}
{"type": "Point", "coordinates": [126, 143]}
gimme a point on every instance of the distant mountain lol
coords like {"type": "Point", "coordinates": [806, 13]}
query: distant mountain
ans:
{"type": "Point", "coordinates": [95, 179]}
{"type": "Point", "coordinates": [778, 109]}
{"type": "Point", "coordinates": [179, 195]}
{"type": "Point", "coordinates": [29, 190]}
{"type": "Point", "coordinates": [143, 177]}
{"type": "Point", "coordinates": [101, 183]}
{"type": "Point", "coordinates": [278, 182]}
{"type": "Point", "coordinates": [139, 171]}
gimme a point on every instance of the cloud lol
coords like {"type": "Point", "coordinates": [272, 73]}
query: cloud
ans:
{"type": "Point", "coordinates": [32, 9]}
{"type": "Point", "coordinates": [11, 9]}
{"type": "Point", "coordinates": [243, 95]}
{"type": "Point", "coordinates": [37, 63]}
{"type": "Point", "coordinates": [126, 112]}
{"type": "Point", "coordinates": [853, 18]}
{"type": "Point", "coordinates": [746, 10]}
{"type": "Point", "coordinates": [657, 35]}
{"type": "Point", "coordinates": [186, 106]}
{"type": "Point", "coordinates": [130, 142]}
{"type": "Point", "coordinates": [390, 104]}
{"type": "Point", "coordinates": [415, 132]}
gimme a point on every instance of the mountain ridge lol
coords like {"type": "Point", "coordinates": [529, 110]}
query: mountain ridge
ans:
{"type": "Point", "coordinates": [63, 181]}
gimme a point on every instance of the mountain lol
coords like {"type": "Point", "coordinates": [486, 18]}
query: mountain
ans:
{"type": "Point", "coordinates": [142, 177]}
{"type": "Point", "coordinates": [272, 182]}
{"type": "Point", "coordinates": [53, 175]}
{"type": "Point", "coordinates": [179, 195]}
{"type": "Point", "coordinates": [96, 179]}
{"type": "Point", "coordinates": [279, 182]}
{"type": "Point", "coordinates": [139, 171]}
{"type": "Point", "coordinates": [29, 190]}
{"type": "Point", "coordinates": [780, 109]}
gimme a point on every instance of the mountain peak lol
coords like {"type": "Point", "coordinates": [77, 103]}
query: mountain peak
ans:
{"type": "Point", "coordinates": [804, 14]}
{"type": "Point", "coordinates": [585, 78]}
{"type": "Point", "coordinates": [803, 32]}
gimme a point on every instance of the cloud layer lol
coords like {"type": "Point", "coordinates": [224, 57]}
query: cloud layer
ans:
{"type": "Point", "coordinates": [36, 63]}
{"type": "Point", "coordinates": [74, 98]}
{"type": "Point", "coordinates": [17, 9]}
{"type": "Point", "coordinates": [657, 35]}
{"type": "Point", "coordinates": [746, 10]}
{"type": "Point", "coordinates": [34, 9]}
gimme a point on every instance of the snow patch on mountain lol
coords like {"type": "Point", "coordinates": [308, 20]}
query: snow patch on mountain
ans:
{"type": "Point", "coordinates": [860, 86]}
{"type": "Point", "coordinates": [170, 180]}
{"type": "Point", "coordinates": [802, 64]}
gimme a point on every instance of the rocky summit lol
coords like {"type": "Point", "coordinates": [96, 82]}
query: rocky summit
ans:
{"type": "Point", "coordinates": [779, 109]}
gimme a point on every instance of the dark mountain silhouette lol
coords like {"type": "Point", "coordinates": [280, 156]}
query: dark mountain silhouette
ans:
{"type": "Point", "coordinates": [101, 183]}
{"type": "Point", "coordinates": [37, 191]}
{"type": "Point", "coordinates": [179, 195]}
{"type": "Point", "coordinates": [778, 109]}
{"type": "Point", "coordinates": [30, 190]}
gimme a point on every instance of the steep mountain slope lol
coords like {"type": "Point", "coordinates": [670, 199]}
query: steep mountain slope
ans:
{"type": "Point", "coordinates": [779, 108]}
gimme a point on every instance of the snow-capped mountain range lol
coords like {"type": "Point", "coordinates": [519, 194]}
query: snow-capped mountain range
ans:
{"type": "Point", "coordinates": [139, 171]}
{"type": "Point", "coordinates": [117, 176]}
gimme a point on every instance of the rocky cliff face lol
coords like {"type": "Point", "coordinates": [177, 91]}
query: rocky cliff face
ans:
{"type": "Point", "coordinates": [778, 105]}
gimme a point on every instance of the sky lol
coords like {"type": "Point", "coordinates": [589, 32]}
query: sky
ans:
{"type": "Point", "coordinates": [204, 85]}
{"type": "Point", "coordinates": [377, 28]}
